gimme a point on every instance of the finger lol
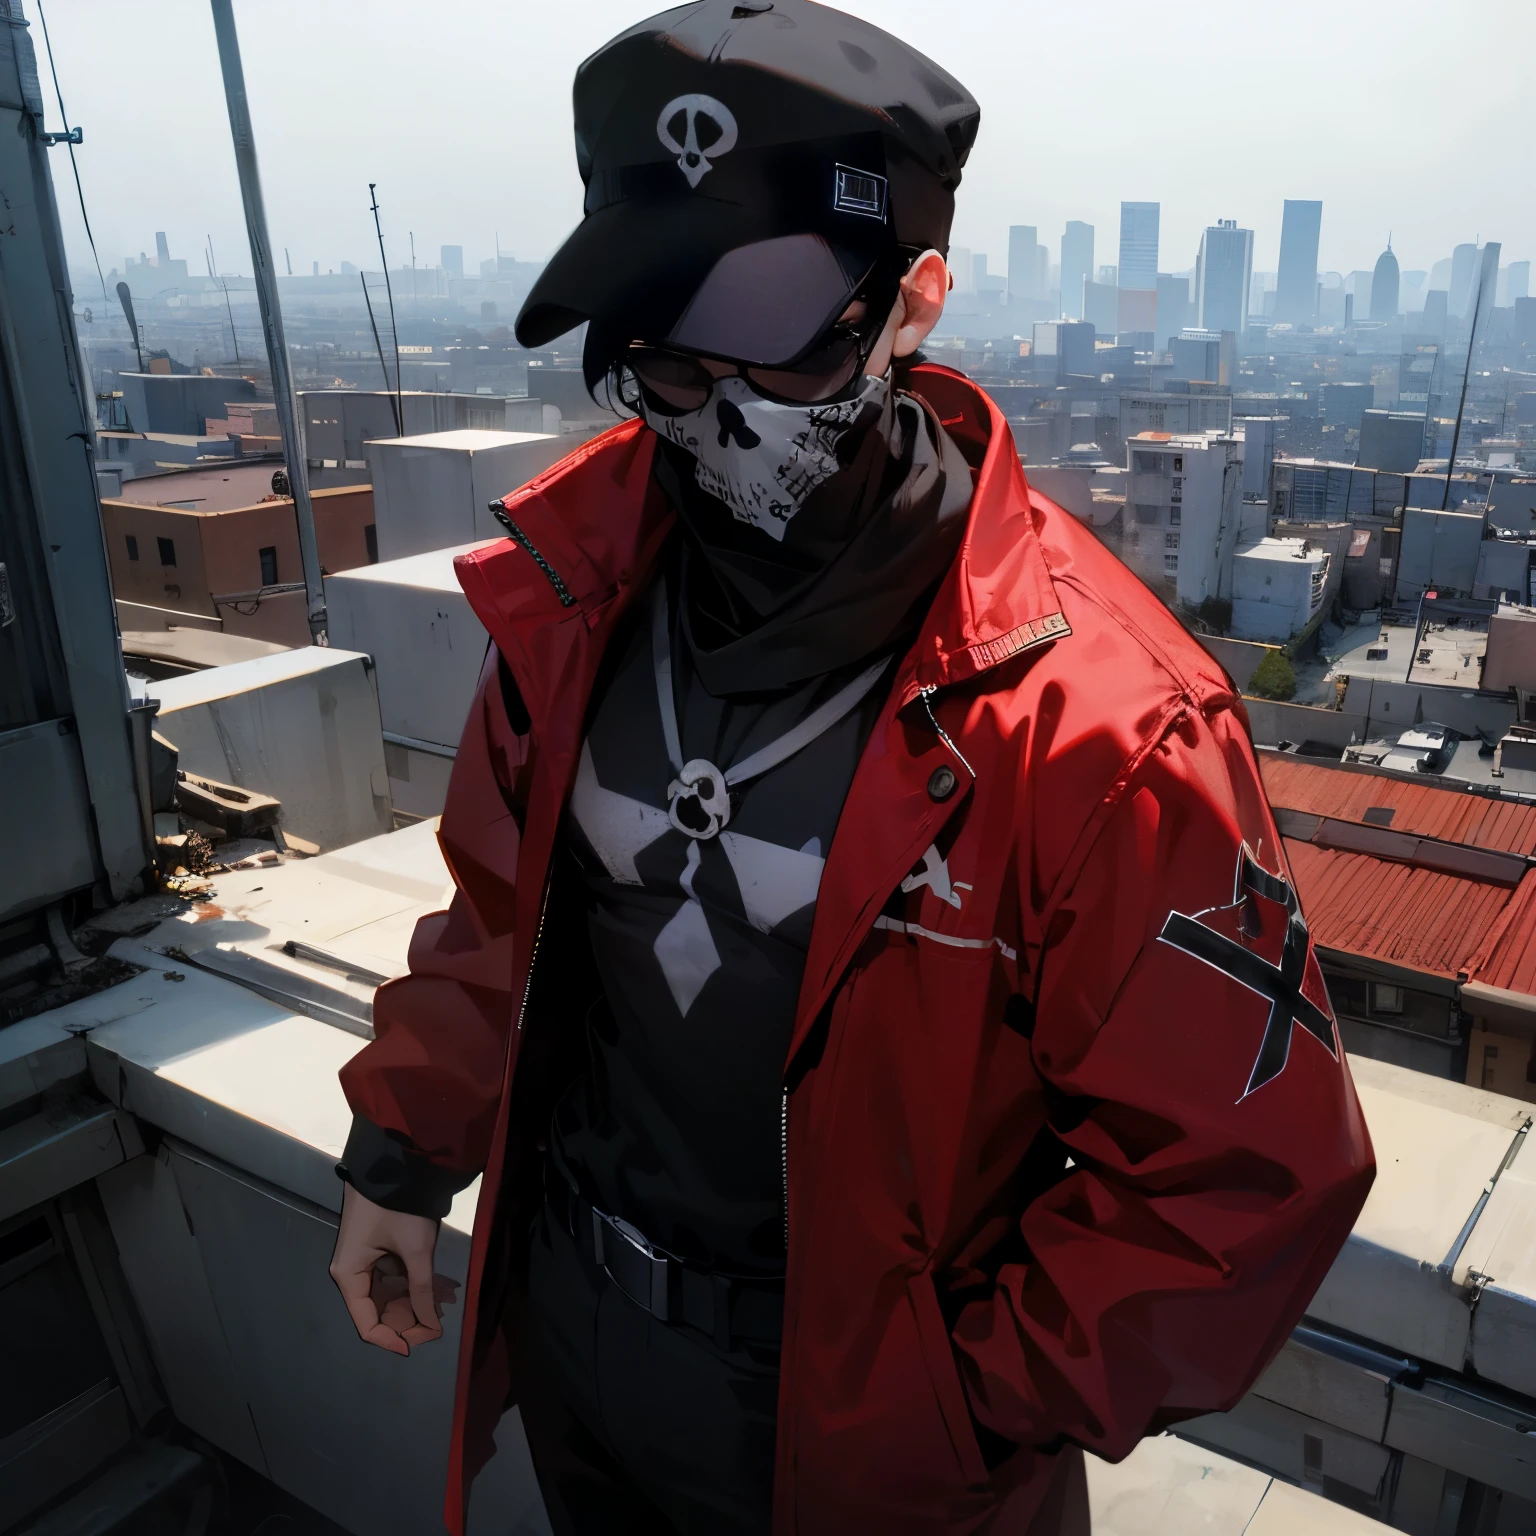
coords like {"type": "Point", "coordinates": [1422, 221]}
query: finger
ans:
{"type": "Point", "coordinates": [386, 1338]}
{"type": "Point", "coordinates": [418, 1272]}
{"type": "Point", "coordinates": [397, 1314]}
{"type": "Point", "coordinates": [356, 1287]}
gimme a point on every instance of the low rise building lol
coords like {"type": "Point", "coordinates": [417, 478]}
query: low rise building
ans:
{"type": "Point", "coordinates": [220, 543]}
{"type": "Point", "coordinates": [1439, 553]}
{"type": "Point", "coordinates": [338, 424]}
{"type": "Point", "coordinates": [1509, 659]}
{"type": "Point", "coordinates": [434, 490]}
{"type": "Point", "coordinates": [1421, 899]}
{"type": "Point", "coordinates": [1184, 497]}
{"type": "Point", "coordinates": [1312, 490]}
{"type": "Point", "coordinates": [180, 403]}
{"type": "Point", "coordinates": [1277, 588]}
{"type": "Point", "coordinates": [1391, 440]}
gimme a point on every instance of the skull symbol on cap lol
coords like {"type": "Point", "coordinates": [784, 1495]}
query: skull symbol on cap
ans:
{"type": "Point", "coordinates": [698, 802]}
{"type": "Point", "coordinates": [692, 155]}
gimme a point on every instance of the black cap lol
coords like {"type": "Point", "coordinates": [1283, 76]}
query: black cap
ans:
{"type": "Point", "coordinates": [747, 164]}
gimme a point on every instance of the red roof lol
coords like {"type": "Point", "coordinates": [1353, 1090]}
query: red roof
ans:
{"type": "Point", "coordinates": [1417, 918]}
{"type": "Point", "coordinates": [1426, 810]}
{"type": "Point", "coordinates": [1507, 957]}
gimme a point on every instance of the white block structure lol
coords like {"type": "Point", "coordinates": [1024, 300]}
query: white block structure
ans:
{"type": "Point", "coordinates": [435, 490]}
{"type": "Point", "coordinates": [427, 647]}
{"type": "Point", "coordinates": [302, 725]}
{"type": "Point", "coordinates": [1277, 587]}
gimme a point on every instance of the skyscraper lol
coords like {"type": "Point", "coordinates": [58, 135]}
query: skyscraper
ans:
{"type": "Point", "coordinates": [1027, 262]}
{"type": "Point", "coordinates": [1296, 284]}
{"type": "Point", "coordinates": [1486, 286]}
{"type": "Point", "coordinates": [1517, 276]}
{"type": "Point", "coordinates": [1076, 265]}
{"type": "Point", "coordinates": [1138, 244]}
{"type": "Point", "coordinates": [1385, 285]}
{"type": "Point", "coordinates": [1463, 274]}
{"type": "Point", "coordinates": [1222, 275]}
{"type": "Point", "coordinates": [1172, 305]}
{"type": "Point", "coordinates": [452, 259]}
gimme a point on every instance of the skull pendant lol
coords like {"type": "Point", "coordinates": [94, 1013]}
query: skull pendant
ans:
{"type": "Point", "coordinates": [698, 802]}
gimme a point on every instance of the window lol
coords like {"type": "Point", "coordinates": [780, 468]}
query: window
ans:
{"type": "Point", "coordinates": [133, 547]}
{"type": "Point", "coordinates": [1178, 463]}
{"type": "Point", "coordinates": [268, 565]}
{"type": "Point", "coordinates": [1171, 539]}
{"type": "Point", "coordinates": [371, 539]}
{"type": "Point", "coordinates": [1385, 999]}
{"type": "Point", "coordinates": [167, 551]}
{"type": "Point", "coordinates": [1170, 563]}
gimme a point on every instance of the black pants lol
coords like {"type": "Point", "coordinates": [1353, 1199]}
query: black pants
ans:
{"type": "Point", "coordinates": [637, 1427]}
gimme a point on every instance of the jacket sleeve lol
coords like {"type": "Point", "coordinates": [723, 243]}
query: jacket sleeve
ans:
{"type": "Point", "coordinates": [1217, 1157]}
{"type": "Point", "coordinates": [424, 1091]}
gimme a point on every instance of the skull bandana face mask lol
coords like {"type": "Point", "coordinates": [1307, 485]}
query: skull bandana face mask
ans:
{"type": "Point", "coordinates": [762, 458]}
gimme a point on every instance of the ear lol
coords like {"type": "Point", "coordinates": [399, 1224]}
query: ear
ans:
{"type": "Point", "coordinates": [921, 302]}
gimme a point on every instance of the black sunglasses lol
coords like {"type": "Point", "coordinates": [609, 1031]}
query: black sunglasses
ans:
{"type": "Point", "coordinates": [678, 382]}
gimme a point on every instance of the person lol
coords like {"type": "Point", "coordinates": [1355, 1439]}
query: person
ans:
{"type": "Point", "coordinates": [874, 996]}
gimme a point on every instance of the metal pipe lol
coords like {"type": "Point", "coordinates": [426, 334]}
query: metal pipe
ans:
{"type": "Point", "coordinates": [389, 294]}
{"type": "Point", "coordinates": [271, 314]}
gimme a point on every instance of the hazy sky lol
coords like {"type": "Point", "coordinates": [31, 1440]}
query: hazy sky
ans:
{"type": "Point", "coordinates": [1405, 117]}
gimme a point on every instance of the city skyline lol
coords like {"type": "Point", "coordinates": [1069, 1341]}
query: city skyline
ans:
{"type": "Point", "coordinates": [468, 151]}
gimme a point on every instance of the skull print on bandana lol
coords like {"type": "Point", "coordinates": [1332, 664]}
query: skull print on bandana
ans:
{"type": "Point", "coordinates": [763, 458]}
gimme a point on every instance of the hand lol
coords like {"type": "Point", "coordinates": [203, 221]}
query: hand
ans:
{"type": "Point", "coordinates": [383, 1268]}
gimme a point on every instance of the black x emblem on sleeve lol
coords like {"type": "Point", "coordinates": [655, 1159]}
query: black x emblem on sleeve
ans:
{"type": "Point", "coordinates": [1279, 985]}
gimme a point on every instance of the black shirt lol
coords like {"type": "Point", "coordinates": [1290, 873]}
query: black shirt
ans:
{"type": "Point", "coordinates": [700, 941]}
{"type": "Point", "coordinates": [700, 944]}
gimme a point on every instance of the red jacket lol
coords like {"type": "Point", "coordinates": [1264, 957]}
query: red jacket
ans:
{"type": "Point", "coordinates": [1071, 1140]}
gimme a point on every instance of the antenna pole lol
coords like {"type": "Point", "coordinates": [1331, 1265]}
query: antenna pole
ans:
{"type": "Point", "coordinates": [271, 313]}
{"type": "Point", "coordinates": [394, 405]}
{"type": "Point", "coordinates": [1466, 373]}
{"type": "Point", "coordinates": [234, 340]}
{"type": "Point", "coordinates": [389, 294]}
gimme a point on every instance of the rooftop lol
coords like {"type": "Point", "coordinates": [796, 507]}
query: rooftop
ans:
{"type": "Point", "coordinates": [1427, 810]}
{"type": "Point", "coordinates": [432, 570]}
{"type": "Point", "coordinates": [465, 439]}
{"type": "Point", "coordinates": [1427, 877]}
{"type": "Point", "coordinates": [1422, 919]}
{"type": "Point", "coordinates": [219, 488]}
{"type": "Point", "coordinates": [1282, 549]}
{"type": "Point", "coordinates": [1449, 652]}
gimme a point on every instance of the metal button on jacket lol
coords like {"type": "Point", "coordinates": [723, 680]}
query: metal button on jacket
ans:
{"type": "Point", "coordinates": [941, 783]}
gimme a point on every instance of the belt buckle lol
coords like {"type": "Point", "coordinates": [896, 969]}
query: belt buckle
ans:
{"type": "Point", "coordinates": [654, 1267]}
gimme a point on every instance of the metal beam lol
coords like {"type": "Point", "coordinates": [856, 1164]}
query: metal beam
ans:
{"type": "Point", "coordinates": [54, 480]}
{"type": "Point", "coordinates": [271, 313]}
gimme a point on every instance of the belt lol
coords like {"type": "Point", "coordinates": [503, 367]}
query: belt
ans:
{"type": "Point", "coordinates": [731, 1309]}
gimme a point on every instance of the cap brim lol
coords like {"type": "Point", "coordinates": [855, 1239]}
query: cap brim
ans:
{"type": "Point", "coordinates": [701, 275]}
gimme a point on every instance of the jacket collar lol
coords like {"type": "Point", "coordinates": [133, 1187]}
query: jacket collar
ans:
{"type": "Point", "coordinates": [588, 531]}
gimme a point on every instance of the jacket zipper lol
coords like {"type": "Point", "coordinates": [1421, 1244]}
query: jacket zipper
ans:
{"type": "Point", "coordinates": [517, 535]}
{"type": "Point", "coordinates": [926, 695]}
{"type": "Point", "coordinates": [538, 934]}
{"type": "Point", "coordinates": [784, 1163]}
